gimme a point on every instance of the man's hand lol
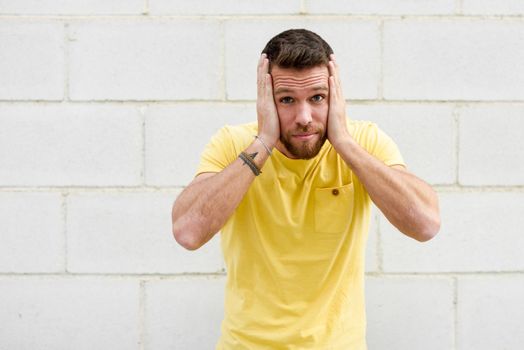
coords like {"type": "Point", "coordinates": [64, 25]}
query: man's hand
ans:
{"type": "Point", "coordinates": [268, 122]}
{"type": "Point", "coordinates": [336, 125]}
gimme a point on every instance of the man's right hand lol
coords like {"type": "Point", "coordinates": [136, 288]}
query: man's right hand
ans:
{"type": "Point", "coordinates": [268, 122]}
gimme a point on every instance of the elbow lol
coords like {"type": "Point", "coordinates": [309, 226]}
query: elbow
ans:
{"type": "Point", "coordinates": [428, 230]}
{"type": "Point", "coordinates": [185, 237]}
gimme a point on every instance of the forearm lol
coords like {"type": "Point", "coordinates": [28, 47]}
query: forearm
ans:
{"type": "Point", "coordinates": [408, 203]}
{"type": "Point", "coordinates": [204, 206]}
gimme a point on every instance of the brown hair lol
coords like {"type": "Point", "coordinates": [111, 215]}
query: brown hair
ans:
{"type": "Point", "coordinates": [297, 48]}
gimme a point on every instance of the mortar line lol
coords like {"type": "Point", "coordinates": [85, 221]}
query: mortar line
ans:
{"type": "Point", "coordinates": [442, 188]}
{"type": "Point", "coordinates": [379, 254]}
{"type": "Point", "coordinates": [303, 7]}
{"type": "Point", "coordinates": [64, 196]}
{"type": "Point", "coordinates": [222, 64]}
{"type": "Point", "coordinates": [146, 8]}
{"type": "Point", "coordinates": [456, 122]}
{"type": "Point", "coordinates": [380, 92]}
{"type": "Point", "coordinates": [459, 7]}
{"type": "Point", "coordinates": [455, 313]}
{"type": "Point", "coordinates": [142, 314]}
{"type": "Point", "coordinates": [66, 63]}
{"type": "Point", "coordinates": [370, 17]}
{"type": "Point", "coordinates": [215, 101]}
{"type": "Point", "coordinates": [221, 274]}
{"type": "Point", "coordinates": [143, 135]}
{"type": "Point", "coordinates": [218, 101]}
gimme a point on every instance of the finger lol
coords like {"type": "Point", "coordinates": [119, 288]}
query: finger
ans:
{"type": "Point", "coordinates": [268, 87]}
{"type": "Point", "coordinates": [333, 91]}
{"type": "Point", "coordinates": [261, 60]}
{"type": "Point", "coordinates": [260, 67]}
{"type": "Point", "coordinates": [336, 70]}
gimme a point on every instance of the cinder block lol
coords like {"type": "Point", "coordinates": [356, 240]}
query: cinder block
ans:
{"type": "Point", "coordinates": [384, 7]}
{"type": "Point", "coordinates": [425, 135]}
{"type": "Point", "coordinates": [130, 233]}
{"type": "Point", "coordinates": [53, 7]}
{"type": "Point", "coordinates": [57, 145]}
{"type": "Point", "coordinates": [490, 312]}
{"type": "Point", "coordinates": [176, 136]}
{"type": "Point", "coordinates": [490, 7]}
{"type": "Point", "coordinates": [453, 60]}
{"type": "Point", "coordinates": [372, 251]}
{"type": "Point", "coordinates": [31, 60]}
{"type": "Point", "coordinates": [480, 232]}
{"type": "Point", "coordinates": [145, 60]}
{"type": "Point", "coordinates": [409, 313]}
{"type": "Point", "coordinates": [355, 43]}
{"type": "Point", "coordinates": [184, 314]}
{"type": "Point", "coordinates": [31, 232]}
{"type": "Point", "coordinates": [63, 314]}
{"type": "Point", "coordinates": [224, 7]}
{"type": "Point", "coordinates": [491, 147]}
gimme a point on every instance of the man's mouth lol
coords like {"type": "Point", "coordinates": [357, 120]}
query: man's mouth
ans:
{"type": "Point", "coordinates": [304, 136]}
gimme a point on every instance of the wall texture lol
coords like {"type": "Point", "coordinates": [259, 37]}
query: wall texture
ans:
{"type": "Point", "coordinates": [105, 107]}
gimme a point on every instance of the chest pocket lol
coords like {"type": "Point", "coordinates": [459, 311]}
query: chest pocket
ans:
{"type": "Point", "coordinates": [333, 208]}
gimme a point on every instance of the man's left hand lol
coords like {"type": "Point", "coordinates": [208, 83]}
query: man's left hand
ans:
{"type": "Point", "coordinates": [336, 124]}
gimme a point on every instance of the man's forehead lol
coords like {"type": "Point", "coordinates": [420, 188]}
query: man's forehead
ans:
{"type": "Point", "coordinates": [286, 79]}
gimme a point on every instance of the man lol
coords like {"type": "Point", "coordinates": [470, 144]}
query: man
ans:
{"type": "Point", "coordinates": [293, 205]}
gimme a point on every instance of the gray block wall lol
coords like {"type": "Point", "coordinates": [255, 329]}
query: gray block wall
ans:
{"type": "Point", "coordinates": [105, 107]}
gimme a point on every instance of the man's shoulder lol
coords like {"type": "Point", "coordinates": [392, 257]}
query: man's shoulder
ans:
{"type": "Point", "coordinates": [360, 126]}
{"type": "Point", "coordinates": [240, 130]}
{"type": "Point", "coordinates": [239, 134]}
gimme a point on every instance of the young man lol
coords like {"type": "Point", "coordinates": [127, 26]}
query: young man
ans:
{"type": "Point", "coordinates": [291, 195]}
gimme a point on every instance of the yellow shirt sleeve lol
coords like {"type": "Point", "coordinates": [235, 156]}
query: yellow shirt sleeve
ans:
{"type": "Point", "coordinates": [218, 154]}
{"type": "Point", "coordinates": [381, 146]}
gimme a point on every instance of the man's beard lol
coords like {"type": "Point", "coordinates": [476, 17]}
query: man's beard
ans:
{"type": "Point", "coordinates": [304, 149]}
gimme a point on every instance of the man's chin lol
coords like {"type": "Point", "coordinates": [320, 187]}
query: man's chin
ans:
{"type": "Point", "coordinates": [304, 149]}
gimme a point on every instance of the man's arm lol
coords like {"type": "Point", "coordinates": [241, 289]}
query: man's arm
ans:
{"type": "Point", "coordinates": [210, 199]}
{"type": "Point", "coordinates": [409, 203]}
{"type": "Point", "coordinates": [204, 206]}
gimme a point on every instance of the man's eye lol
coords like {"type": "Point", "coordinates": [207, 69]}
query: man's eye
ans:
{"type": "Point", "coordinates": [286, 100]}
{"type": "Point", "coordinates": [317, 98]}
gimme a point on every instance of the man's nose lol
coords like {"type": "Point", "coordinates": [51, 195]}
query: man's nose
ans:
{"type": "Point", "coordinates": [303, 114]}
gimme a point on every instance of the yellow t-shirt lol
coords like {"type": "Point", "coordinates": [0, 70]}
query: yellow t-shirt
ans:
{"type": "Point", "coordinates": [294, 248]}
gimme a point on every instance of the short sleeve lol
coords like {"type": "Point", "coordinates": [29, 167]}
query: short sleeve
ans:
{"type": "Point", "coordinates": [218, 154]}
{"type": "Point", "coordinates": [383, 147]}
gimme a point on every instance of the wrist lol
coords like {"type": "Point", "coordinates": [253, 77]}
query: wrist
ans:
{"type": "Point", "coordinates": [268, 141]}
{"type": "Point", "coordinates": [342, 139]}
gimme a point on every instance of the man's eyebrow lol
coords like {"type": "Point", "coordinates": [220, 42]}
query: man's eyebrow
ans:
{"type": "Point", "coordinates": [282, 90]}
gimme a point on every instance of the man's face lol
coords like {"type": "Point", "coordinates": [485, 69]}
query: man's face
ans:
{"type": "Point", "coordinates": [302, 100]}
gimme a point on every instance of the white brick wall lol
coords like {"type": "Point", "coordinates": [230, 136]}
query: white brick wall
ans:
{"type": "Point", "coordinates": [145, 60]}
{"type": "Point", "coordinates": [31, 232]}
{"type": "Point", "coordinates": [130, 233]}
{"type": "Point", "coordinates": [491, 151]}
{"type": "Point", "coordinates": [410, 313]}
{"type": "Point", "coordinates": [183, 314]}
{"type": "Point", "coordinates": [453, 60]}
{"type": "Point", "coordinates": [491, 306]}
{"type": "Point", "coordinates": [70, 145]}
{"type": "Point", "coordinates": [62, 313]}
{"type": "Point", "coordinates": [224, 7]}
{"type": "Point", "coordinates": [384, 7]}
{"type": "Point", "coordinates": [105, 107]}
{"type": "Point", "coordinates": [32, 63]}
{"type": "Point", "coordinates": [65, 7]}
{"type": "Point", "coordinates": [491, 7]}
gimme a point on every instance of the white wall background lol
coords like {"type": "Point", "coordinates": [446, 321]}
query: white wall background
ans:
{"type": "Point", "coordinates": [105, 107]}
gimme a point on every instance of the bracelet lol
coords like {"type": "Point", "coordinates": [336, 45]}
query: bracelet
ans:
{"type": "Point", "coordinates": [250, 163]}
{"type": "Point", "coordinates": [264, 144]}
